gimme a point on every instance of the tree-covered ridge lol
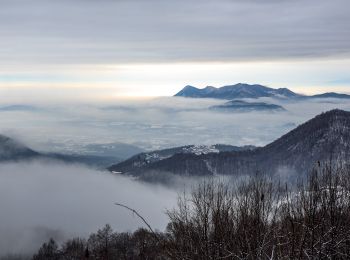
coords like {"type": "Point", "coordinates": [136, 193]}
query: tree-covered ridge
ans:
{"type": "Point", "coordinates": [323, 138]}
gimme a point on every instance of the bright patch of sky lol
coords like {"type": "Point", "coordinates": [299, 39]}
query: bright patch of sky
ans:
{"type": "Point", "coordinates": [110, 49]}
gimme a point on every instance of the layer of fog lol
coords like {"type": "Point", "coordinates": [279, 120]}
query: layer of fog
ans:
{"type": "Point", "coordinates": [154, 123]}
{"type": "Point", "coordinates": [39, 200]}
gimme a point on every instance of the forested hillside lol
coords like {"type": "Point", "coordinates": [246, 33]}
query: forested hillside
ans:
{"type": "Point", "coordinates": [261, 218]}
{"type": "Point", "coordinates": [323, 138]}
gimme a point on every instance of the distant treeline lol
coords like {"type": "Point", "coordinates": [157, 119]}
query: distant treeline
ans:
{"type": "Point", "coordinates": [260, 218]}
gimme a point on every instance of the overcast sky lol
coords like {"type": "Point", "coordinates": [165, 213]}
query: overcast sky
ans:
{"type": "Point", "coordinates": [111, 48]}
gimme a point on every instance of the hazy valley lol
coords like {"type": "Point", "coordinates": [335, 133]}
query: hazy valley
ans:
{"type": "Point", "coordinates": [126, 141]}
{"type": "Point", "coordinates": [174, 130]}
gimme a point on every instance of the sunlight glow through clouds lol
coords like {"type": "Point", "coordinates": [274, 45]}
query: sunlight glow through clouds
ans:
{"type": "Point", "coordinates": [165, 79]}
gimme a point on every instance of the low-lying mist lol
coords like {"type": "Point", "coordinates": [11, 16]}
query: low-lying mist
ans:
{"type": "Point", "coordinates": [154, 123]}
{"type": "Point", "coordinates": [39, 200]}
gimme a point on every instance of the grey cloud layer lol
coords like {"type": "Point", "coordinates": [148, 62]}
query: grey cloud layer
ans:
{"type": "Point", "coordinates": [123, 31]}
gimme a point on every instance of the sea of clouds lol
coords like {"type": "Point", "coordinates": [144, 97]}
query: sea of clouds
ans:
{"type": "Point", "coordinates": [154, 123]}
{"type": "Point", "coordinates": [41, 199]}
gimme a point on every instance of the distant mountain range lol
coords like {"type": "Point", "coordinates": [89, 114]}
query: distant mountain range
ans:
{"type": "Point", "coordinates": [96, 155]}
{"type": "Point", "coordinates": [242, 90]}
{"type": "Point", "coordinates": [12, 108]}
{"type": "Point", "coordinates": [243, 106]}
{"type": "Point", "coordinates": [325, 137]}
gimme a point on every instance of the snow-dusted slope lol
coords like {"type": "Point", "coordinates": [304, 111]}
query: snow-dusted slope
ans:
{"type": "Point", "coordinates": [144, 159]}
{"type": "Point", "coordinates": [239, 90]}
{"type": "Point", "coordinates": [242, 90]}
{"type": "Point", "coordinates": [323, 138]}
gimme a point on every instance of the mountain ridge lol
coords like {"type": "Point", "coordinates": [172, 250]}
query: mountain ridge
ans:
{"type": "Point", "coordinates": [143, 159]}
{"type": "Point", "coordinates": [243, 106]}
{"type": "Point", "coordinates": [244, 90]}
{"type": "Point", "coordinates": [325, 137]}
{"type": "Point", "coordinates": [12, 150]}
